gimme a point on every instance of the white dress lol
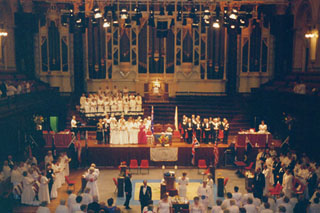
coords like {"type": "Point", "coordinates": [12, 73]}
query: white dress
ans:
{"type": "Point", "coordinates": [267, 176]}
{"type": "Point", "coordinates": [210, 184]}
{"type": "Point", "coordinates": [106, 106]}
{"type": "Point", "coordinates": [114, 133]}
{"type": "Point", "coordinates": [123, 133]}
{"type": "Point", "coordinates": [164, 207]}
{"type": "Point", "coordinates": [197, 209]}
{"type": "Point", "coordinates": [135, 132]}
{"type": "Point", "coordinates": [100, 106]}
{"type": "Point", "coordinates": [92, 184]}
{"type": "Point", "coordinates": [138, 103]}
{"type": "Point", "coordinates": [287, 185]}
{"type": "Point", "coordinates": [44, 190]}
{"type": "Point", "coordinates": [28, 194]}
{"type": "Point", "coordinates": [183, 186]}
{"type": "Point", "coordinates": [114, 105]}
{"type": "Point", "coordinates": [120, 105]}
{"type": "Point", "coordinates": [126, 106]}
{"type": "Point", "coordinates": [132, 104]}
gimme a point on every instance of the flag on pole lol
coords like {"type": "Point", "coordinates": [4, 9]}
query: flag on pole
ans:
{"type": "Point", "coordinates": [216, 154]}
{"type": "Point", "coordinates": [247, 142]}
{"type": "Point", "coordinates": [176, 119]}
{"type": "Point", "coordinates": [152, 117]}
{"type": "Point", "coordinates": [195, 144]}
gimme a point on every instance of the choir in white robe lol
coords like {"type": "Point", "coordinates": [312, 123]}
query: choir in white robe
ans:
{"type": "Point", "coordinates": [183, 186]}
{"type": "Point", "coordinates": [44, 190]}
{"type": "Point", "coordinates": [123, 133]}
{"type": "Point", "coordinates": [114, 133]}
{"type": "Point", "coordinates": [28, 195]}
{"type": "Point", "coordinates": [287, 184]}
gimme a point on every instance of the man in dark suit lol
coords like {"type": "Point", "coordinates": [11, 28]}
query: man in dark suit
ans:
{"type": "Point", "coordinates": [145, 195]}
{"type": "Point", "coordinates": [189, 130]}
{"type": "Point", "coordinates": [128, 190]}
{"type": "Point", "coordinates": [258, 184]}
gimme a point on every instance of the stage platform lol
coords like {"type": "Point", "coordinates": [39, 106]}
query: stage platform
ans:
{"type": "Point", "coordinates": [111, 155]}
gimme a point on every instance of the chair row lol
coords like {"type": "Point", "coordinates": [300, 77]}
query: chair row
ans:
{"type": "Point", "coordinates": [143, 165]}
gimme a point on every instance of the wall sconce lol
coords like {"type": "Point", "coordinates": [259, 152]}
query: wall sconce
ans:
{"type": "Point", "coordinates": [312, 36]}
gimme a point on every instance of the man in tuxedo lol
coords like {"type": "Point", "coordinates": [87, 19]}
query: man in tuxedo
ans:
{"type": "Point", "coordinates": [145, 195]}
{"type": "Point", "coordinates": [206, 129]}
{"type": "Point", "coordinates": [128, 190]}
{"type": "Point", "coordinates": [258, 183]}
{"type": "Point", "coordinates": [189, 129]}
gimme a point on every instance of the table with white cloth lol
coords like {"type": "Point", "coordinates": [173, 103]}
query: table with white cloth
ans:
{"type": "Point", "coordinates": [257, 139]}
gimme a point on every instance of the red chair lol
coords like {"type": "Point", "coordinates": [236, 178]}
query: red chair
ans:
{"type": "Point", "coordinates": [240, 166]}
{"type": "Point", "coordinates": [144, 165]}
{"type": "Point", "coordinates": [116, 185]}
{"type": "Point", "coordinates": [297, 186]}
{"type": "Point", "coordinates": [276, 190]}
{"type": "Point", "coordinates": [70, 183]}
{"type": "Point", "coordinates": [134, 165]}
{"type": "Point", "coordinates": [202, 164]}
{"type": "Point", "coordinates": [224, 184]}
{"type": "Point", "coordinates": [249, 168]}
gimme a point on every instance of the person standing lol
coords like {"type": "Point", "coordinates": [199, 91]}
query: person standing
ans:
{"type": "Point", "coordinates": [43, 194]}
{"type": "Point", "coordinates": [100, 131]}
{"type": "Point", "coordinates": [74, 125]}
{"type": "Point", "coordinates": [204, 193]}
{"type": "Point", "coordinates": [165, 205]}
{"type": "Point", "coordinates": [189, 129]}
{"type": "Point", "coordinates": [106, 123]}
{"type": "Point", "coordinates": [145, 194]}
{"type": "Point", "coordinates": [183, 183]}
{"type": "Point", "coordinates": [92, 178]}
{"type": "Point", "coordinates": [206, 126]}
{"type": "Point", "coordinates": [28, 195]}
{"type": "Point", "coordinates": [258, 184]}
{"type": "Point", "coordinates": [128, 190]}
{"type": "Point", "coordinates": [287, 180]}
{"type": "Point", "coordinates": [226, 127]}
{"type": "Point", "coordinates": [196, 207]}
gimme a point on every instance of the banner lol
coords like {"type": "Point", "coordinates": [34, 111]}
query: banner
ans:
{"type": "Point", "coordinates": [164, 154]}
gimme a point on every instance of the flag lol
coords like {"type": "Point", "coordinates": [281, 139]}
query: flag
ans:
{"type": "Point", "coordinates": [152, 117]}
{"type": "Point", "coordinates": [216, 154]}
{"type": "Point", "coordinates": [176, 119]}
{"type": "Point", "coordinates": [195, 144]}
{"type": "Point", "coordinates": [247, 142]}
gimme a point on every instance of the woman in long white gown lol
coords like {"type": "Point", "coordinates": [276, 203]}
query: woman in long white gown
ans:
{"type": "Point", "coordinates": [87, 106]}
{"type": "Point", "coordinates": [28, 195]}
{"type": "Point", "coordinates": [126, 106]}
{"type": "Point", "coordinates": [100, 104]}
{"type": "Point", "coordinates": [93, 106]}
{"type": "Point", "coordinates": [165, 205]}
{"type": "Point", "coordinates": [132, 103]}
{"type": "Point", "coordinates": [92, 179]}
{"type": "Point", "coordinates": [44, 189]}
{"type": "Point", "coordinates": [123, 131]}
{"type": "Point", "coordinates": [114, 104]}
{"type": "Point", "coordinates": [135, 131]}
{"type": "Point", "coordinates": [120, 105]}
{"type": "Point", "coordinates": [106, 105]}
{"type": "Point", "coordinates": [138, 103]}
{"type": "Point", "coordinates": [114, 132]}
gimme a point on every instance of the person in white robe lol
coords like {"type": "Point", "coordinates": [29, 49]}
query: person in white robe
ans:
{"type": "Point", "coordinates": [43, 208]}
{"type": "Point", "coordinates": [120, 105]}
{"type": "Point", "coordinates": [258, 159]}
{"type": "Point", "coordinates": [114, 104]}
{"type": "Point", "coordinates": [82, 101]}
{"type": "Point", "coordinates": [48, 158]}
{"type": "Point", "coordinates": [204, 193]}
{"type": "Point", "coordinates": [115, 90]}
{"type": "Point", "coordinates": [126, 106]}
{"type": "Point", "coordinates": [62, 208]}
{"type": "Point", "coordinates": [183, 183]}
{"type": "Point", "coordinates": [76, 207]}
{"type": "Point", "coordinates": [100, 104]}
{"type": "Point", "coordinates": [263, 128]}
{"type": "Point", "coordinates": [66, 161]}
{"type": "Point", "coordinates": [86, 107]}
{"type": "Point", "coordinates": [92, 179]}
{"type": "Point", "coordinates": [93, 106]}
{"type": "Point", "coordinates": [135, 131]}
{"type": "Point", "coordinates": [287, 181]}
{"type": "Point", "coordinates": [123, 131]}
{"type": "Point", "coordinates": [210, 184]}
{"type": "Point", "coordinates": [28, 195]}
{"type": "Point", "coordinates": [16, 176]}
{"type": "Point", "coordinates": [6, 170]}
{"type": "Point", "coordinates": [138, 103]}
{"type": "Point", "coordinates": [217, 208]}
{"type": "Point", "coordinates": [43, 193]}
{"type": "Point", "coordinates": [196, 207]}
{"type": "Point", "coordinates": [132, 103]}
{"type": "Point", "coordinates": [106, 105]}
{"type": "Point", "coordinates": [71, 199]}
{"type": "Point", "coordinates": [237, 196]}
{"type": "Point", "coordinates": [130, 130]}
{"type": "Point", "coordinates": [86, 197]}
{"type": "Point", "coordinates": [268, 179]}
{"type": "Point", "coordinates": [107, 91]}
{"type": "Point", "coordinates": [114, 132]}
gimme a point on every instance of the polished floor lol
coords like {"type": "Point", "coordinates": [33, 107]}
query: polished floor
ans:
{"type": "Point", "coordinates": [107, 187]}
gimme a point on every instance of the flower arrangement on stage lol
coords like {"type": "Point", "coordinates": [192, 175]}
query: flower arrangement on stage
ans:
{"type": "Point", "coordinates": [163, 139]}
{"type": "Point", "coordinates": [38, 120]}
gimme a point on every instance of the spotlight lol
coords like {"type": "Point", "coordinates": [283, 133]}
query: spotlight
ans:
{"type": "Point", "coordinates": [216, 24]}
{"type": "Point", "coordinates": [124, 13]}
{"type": "Point", "coordinates": [106, 23]}
{"type": "Point", "coordinates": [96, 12]}
{"type": "Point", "coordinates": [234, 14]}
{"type": "Point", "coordinates": [206, 14]}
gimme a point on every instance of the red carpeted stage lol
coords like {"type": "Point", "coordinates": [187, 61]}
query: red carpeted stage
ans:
{"type": "Point", "coordinates": [112, 155]}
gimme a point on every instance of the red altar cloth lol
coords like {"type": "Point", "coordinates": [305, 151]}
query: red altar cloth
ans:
{"type": "Point", "coordinates": [61, 139]}
{"type": "Point", "coordinates": [256, 139]}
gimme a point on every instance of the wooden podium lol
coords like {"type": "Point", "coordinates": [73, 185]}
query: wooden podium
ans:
{"type": "Point", "coordinates": [156, 91]}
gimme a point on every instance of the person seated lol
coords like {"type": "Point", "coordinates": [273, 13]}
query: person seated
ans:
{"type": "Point", "coordinates": [226, 202]}
{"type": "Point", "coordinates": [263, 128]}
{"type": "Point", "coordinates": [86, 197]}
{"type": "Point", "coordinates": [237, 195]}
{"type": "Point", "coordinates": [233, 208]}
{"type": "Point", "coordinates": [299, 88]}
{"type": "Point", "coordinates": [217, 208]}
{"type": "Point", "coordinates": [94, 206]}
{"type": "Point", "coordinates": [76, 206]}
{"type": "Point", "coordinates": [111, 208]}
{"type": "Point", "coordinates": [43, 208]}
{"type": "Point", "coordinates": [266, 208]}
{"type": "Point", "coordinates": [62, 208]}
{"type": "Point", "coordinates": [250, 207]}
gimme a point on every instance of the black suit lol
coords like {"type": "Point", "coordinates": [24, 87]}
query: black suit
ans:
{"type": "Point", "coordinates": [259, 184]}
{"type": "Point", "coordinates": [128, 190]}
{"type": "Point", "coordinates": [190, 132]}
{"type": "Point", "coordinates": [145, 198]}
